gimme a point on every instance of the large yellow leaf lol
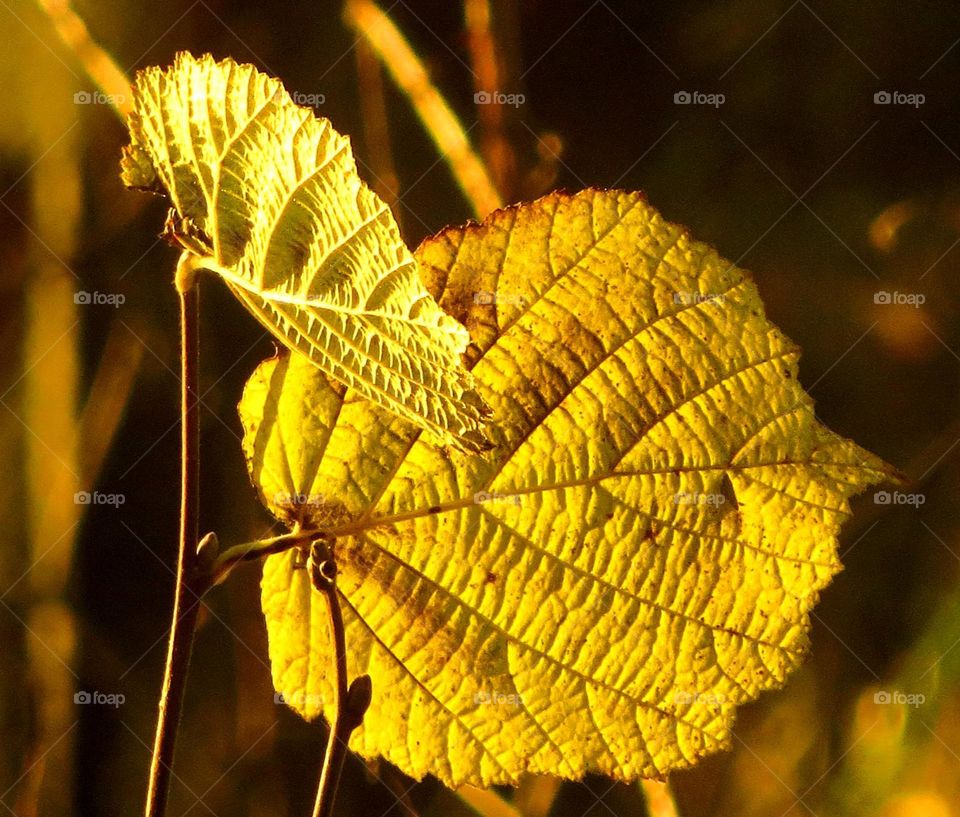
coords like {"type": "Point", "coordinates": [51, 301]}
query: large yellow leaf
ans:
{"type": "Point", "coordinates": [267, 195]}
{"type": "Point", "coordinates": [637, 555]}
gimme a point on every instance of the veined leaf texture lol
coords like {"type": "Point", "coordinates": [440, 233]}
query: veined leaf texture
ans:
{"type": "Point", "coordinates": [267, 195]}
{"type": "Point", "coordinates": [637, 555]}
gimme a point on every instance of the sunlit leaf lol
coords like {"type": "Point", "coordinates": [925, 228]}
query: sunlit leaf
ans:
{"type": "Point", "coordinates": [638, 554]}
{"type": "Point", "coordinates": [267, 195]}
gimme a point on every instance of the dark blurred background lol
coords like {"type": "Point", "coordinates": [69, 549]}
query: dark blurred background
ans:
{"type": "Point", "coordinates": [846, 209]}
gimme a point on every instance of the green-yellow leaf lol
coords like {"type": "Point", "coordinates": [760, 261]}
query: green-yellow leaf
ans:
{"type": "Point", "coordinates": [638, 554]}
{"type": "Point", "coordinates": [267, 194]}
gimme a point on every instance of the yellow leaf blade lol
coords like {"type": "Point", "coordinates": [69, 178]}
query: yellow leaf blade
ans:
{"type": "Point", "coordinates": [637, 555]}
{"type": "Point", "coordinates": [268, 196]}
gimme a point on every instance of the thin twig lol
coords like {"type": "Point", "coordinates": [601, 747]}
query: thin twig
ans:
{"type": "Point", "coordinates": [376, 129]}
{"type": "Point", "coordinates": [351, 703]}
{"type": "Point", "coordinates": [491, 78]}
{"type": "Point", "coordinates": [408, 72]}
{"type": "Point", "coordinates": [191, 582]}
{"type": "Point", "coordinates": [99, 65]}
{"type": "Point", "coordinates": [230, 557]}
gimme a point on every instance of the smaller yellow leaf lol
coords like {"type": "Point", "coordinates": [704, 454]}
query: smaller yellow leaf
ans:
{"type": "Point", "coordinates": [267, 195]}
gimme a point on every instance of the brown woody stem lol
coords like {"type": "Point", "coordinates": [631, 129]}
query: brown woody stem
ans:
{"type": "Point", "coordinates": [351, 703]}
{"type": "Point", "coordinates": [191, 581]}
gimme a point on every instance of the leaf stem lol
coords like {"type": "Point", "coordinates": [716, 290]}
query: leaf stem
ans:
{"type": "Point", "coordinates": [251, 551]}
{"type": "Point", "coordinates": [191, 582]}
{"type": "Point", "coordinates": [351, 703]}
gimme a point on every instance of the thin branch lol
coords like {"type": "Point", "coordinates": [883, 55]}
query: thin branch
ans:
{"type": "Point", "coordinates": [99, 65]}
{"type": "Point", "coordinates": [191, 582]}
{"type": "Point", "coordinates": [351, 703]}
{"type": "Point", "coordinates": [368, 20]}
{"type": "Point", "coordinates": [376, 129]}
{"type": "Point", "coordinates": [492, 77]}
{"type": "Point", "coordinates": [228, 559]}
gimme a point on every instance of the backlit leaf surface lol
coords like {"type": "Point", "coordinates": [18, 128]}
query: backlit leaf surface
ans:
{"type": "Point", "coordinates": [267, 195]}
{"type": "Point", "coordinates": [637, 555]}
